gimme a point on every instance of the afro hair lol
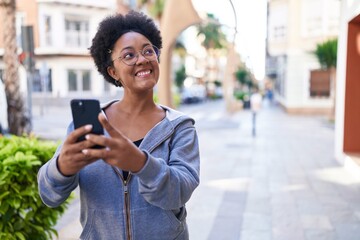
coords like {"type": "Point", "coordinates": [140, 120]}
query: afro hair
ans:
{"type": "Point", "coordinates": [111, 29]}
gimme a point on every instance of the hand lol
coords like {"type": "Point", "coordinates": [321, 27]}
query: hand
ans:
{"type": "Point", "coordinates": [71, 158]}
{"type": "Point", "coordinates": [119, 150]}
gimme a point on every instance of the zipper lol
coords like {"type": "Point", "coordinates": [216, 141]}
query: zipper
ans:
{"type": "Point", "coordinates": [126, 202]}
{"type": "Point", "coordinates": [127, 207]}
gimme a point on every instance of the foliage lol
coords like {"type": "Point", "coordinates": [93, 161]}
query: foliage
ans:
{"type": "Point", "coordinates": [22, 213]}
{"type": "Point", "coordinates": [180, 49]}
{"type": "Point", "coordinates": [326, 53]}
{"type": "Point", "coordinates": [180, 76]}
{"type": "Point", "coordinates": [214, 38]}
{"type": "Point", "coordinates": [156, 9]}
{"type": "Point", "coordinates": [218, 83]}
{"type": "Point", "coordinates": [241, 95]}
{"type": "Point", "coordinates": [175, 97]}
{"type": "Point", "coordinates": [241, 75]}
{"type": "Point", "coordinates": [244, 77]}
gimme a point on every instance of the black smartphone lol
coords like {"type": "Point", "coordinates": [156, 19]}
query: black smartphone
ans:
{"type": "Point", "coordinates": [86, 111]}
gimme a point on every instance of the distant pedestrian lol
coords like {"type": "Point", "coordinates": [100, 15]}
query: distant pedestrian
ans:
{"type": "Point", "coordinates": [255, 104]}
{"type": "Point", "coordinates": [136, 187]}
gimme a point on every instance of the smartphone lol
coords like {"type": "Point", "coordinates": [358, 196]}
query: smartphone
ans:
{"type": "Point", "coordinates": [86, 111]}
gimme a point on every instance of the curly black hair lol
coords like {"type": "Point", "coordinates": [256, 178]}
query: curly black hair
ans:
{"type": "Point", "coordinates": [111, 29]}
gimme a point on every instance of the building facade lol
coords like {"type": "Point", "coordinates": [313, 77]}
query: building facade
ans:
{"type": "Point", "coordinates": [62, 34]}
{"type": "Point", "coordinates": [295, 27]}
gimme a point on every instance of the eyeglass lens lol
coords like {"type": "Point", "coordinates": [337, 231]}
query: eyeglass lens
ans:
{"type": "Point", "coordinates": [130, 56]}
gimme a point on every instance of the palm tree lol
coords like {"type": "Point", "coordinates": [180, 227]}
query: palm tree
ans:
{"type": "Point", "coordinates": [16, 114]}
{"type": "Point", "coordinates": [214, 38]}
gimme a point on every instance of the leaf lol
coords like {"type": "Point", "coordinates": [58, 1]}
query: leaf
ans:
{"type": "Point", "coordinates": [4, 195]}
{"type": "Point", "coordinates": [20, 235]}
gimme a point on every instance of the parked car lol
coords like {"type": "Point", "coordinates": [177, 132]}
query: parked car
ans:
{"type": "Point", "coordinates": [3, 109]}
{"type": "Point", "coordinates": [193, 94]}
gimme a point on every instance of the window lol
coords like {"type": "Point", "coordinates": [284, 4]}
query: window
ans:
{"type": "Point", "coordinates": [278, 17]}
{"type": "Point", "coordinates": [41, 83]}
{"type": "Point", "coordinates": [312, 18]}
{"type": "Point", "coordinates": [47, 30]}
{"type": "Point", "coordinates": [79, 80]}
{"type": "Point", "coordinates": [20, 19]}
{"type": "Point", "coordinates": [76, 32]}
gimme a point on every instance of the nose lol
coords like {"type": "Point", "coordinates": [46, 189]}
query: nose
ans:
{"type": "Point", "coordinates": [141, 58]}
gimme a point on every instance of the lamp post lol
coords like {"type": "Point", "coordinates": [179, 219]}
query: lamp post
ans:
{"type": "Point", "coordinates": [232, 62]}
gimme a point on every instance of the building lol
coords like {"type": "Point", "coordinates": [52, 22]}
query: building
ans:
{"type": "Point", "coordinates": [347, 128]}
{"type": "Point", "coordinates": [294, 29]}
{"type": "Point", "coordinates": [62, 34]}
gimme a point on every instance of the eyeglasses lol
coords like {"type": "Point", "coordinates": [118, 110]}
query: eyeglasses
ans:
{"type": "Point", "coordinates": [130, 56]}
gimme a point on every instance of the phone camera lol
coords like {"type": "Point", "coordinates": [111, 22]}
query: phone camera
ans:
{"type": "Point", "coordinates": [80, 103]}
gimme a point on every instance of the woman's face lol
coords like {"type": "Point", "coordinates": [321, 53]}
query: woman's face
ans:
{"type": "Point", "coordinates": [141, 73]}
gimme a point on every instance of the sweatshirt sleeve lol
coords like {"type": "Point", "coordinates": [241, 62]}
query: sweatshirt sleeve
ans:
{"type": "Point", "coordinates": [169, 183]}
{"type": "Point", "coordinates": [55, 188]}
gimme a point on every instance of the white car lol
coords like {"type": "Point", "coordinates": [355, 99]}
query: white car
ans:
{"type": "Point", "coordinates": [3, 109]}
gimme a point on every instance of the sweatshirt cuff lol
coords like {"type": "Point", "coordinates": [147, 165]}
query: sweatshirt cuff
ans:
{"type": "Point", "coordinates": [56, 176]}
{"type": "Point", "coordinates": [151, 171]}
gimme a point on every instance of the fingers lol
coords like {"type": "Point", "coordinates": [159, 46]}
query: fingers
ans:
{"type": "Point", "coordinates": [74, 135]}
{"type": "Point", "coordinates": [104, 122]}
{"type": "Point", "coordinates": [96, 153]}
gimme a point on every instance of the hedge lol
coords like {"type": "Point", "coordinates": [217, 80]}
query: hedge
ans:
{"type": "Point", "coordinates": [22, 213]}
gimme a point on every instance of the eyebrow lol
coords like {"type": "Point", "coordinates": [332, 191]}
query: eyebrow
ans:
{"type": "Point", "coordinates": [132, 48]}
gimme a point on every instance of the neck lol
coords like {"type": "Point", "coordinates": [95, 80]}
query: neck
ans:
{"type": "Point", "coordinates": [136, 104]}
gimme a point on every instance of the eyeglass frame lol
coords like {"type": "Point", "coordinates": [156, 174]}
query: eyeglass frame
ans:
{"type": "Point", "coordinates": [156, 50]}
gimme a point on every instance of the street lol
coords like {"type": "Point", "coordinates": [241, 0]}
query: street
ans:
{"type": "Point", "coordinates": [282, 184]}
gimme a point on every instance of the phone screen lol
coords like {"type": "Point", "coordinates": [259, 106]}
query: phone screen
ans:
{"type": "Point", "coordinates": [86, 111]}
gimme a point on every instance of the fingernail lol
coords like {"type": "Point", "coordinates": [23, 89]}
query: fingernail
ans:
{"type": "Point", "coordinates": [87, 136]}
{"type": "Point", "coordinates": [88, 127]}
{"type": "Point", "coordinates": [85, 151]}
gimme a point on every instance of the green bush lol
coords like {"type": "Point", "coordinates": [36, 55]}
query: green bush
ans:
{"type": "Point", "coordinates": [240, 95]}
{"type": "Point", "coordinates": [22, 213]}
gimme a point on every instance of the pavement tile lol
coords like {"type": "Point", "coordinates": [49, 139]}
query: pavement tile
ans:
{"type": "Point", "coordinates": [347, 231]}
{"type": "Point", "coordinates": [321, 222]}
{"type": "Point", "coordinates": [255, 235]}
{"type": "Point", "coordinates": [256, 221]}
{"type": "Point", "coordinates": [319, 234]}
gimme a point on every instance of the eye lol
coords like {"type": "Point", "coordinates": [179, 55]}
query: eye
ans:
{"type": "Point", "coordinates": [149, 51]}
{"type": "Point", "coordinates": [128, 55]}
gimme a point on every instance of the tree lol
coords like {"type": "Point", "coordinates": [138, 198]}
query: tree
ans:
{"type": "Point", "coordinates": [16, 114]}
{"type": "Point", "coordinates": [214, 38]}
{"type": "Point", "coordinates": [180, 76]}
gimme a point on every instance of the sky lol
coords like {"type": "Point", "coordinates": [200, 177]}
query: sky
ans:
{"type": "Point", "coordinates": [251, 28]}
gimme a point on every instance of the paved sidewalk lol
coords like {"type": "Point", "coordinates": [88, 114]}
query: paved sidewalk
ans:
{"type": "Point", "coordinates": [283, 184]}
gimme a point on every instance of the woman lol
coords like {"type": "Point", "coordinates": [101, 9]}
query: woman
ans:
{"type": "Point", "coordinates": [136, 186]}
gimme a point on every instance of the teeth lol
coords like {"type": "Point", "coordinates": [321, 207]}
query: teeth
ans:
{"type": "Point", "coordinates": [143, 73]}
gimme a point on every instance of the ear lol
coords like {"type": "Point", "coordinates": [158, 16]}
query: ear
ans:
{"type": "Point", "coordinates": [112, 72]}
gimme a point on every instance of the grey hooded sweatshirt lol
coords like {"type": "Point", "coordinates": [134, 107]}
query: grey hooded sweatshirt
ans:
{"type": "Point", "coordinates": [149, 204]}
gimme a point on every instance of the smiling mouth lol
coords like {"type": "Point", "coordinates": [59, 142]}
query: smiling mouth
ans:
{"type": "Point", "coordinates": [143, 73]}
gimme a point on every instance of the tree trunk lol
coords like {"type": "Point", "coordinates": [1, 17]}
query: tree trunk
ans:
{"type": "Point", "coordinates": [16, 115]}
